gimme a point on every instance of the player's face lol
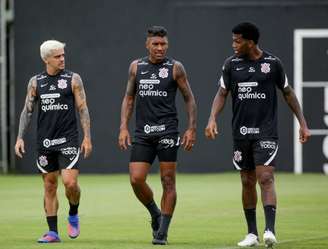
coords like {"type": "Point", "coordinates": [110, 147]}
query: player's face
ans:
{"type": "Point", "coordinates": [240, 45]}
{"type": "Point", "coordinates": [157, 47]}
{"type": "Point", "coordinates": [56, 60]}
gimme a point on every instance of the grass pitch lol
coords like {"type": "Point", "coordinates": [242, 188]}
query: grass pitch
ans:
{"type": "Point", "coordinates": [208, 213]}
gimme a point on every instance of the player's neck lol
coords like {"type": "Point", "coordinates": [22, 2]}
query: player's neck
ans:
{"type": "Point", "coordinates": [155, 61]}
{"type": "Point", "coordinates": [255, 54]}
{"type": "Point", "coordinates": [53, 71]}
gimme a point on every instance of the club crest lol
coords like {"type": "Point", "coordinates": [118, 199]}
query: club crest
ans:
{"type": "Point", "coordinates": [163, 73]}
{"type": "Point", "coordinates": [237, 156]}
{"type": "Point", "coordinates": [43, 161]}
{"type": "Point", "coordinates": [62, 84]}
{"type": "Point", "coordinates": [265, 68]}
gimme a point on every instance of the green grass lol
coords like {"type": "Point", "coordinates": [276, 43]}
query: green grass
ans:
{"type": "Point", "coordinates": [208, 213]}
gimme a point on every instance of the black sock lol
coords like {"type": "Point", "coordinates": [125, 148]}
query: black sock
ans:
{"type": "Point", "coordinates": [52, 223]}
{"type": "Point", "coordinates": [164, 224]}
{"type": "Point", "coordinates": [73, 209]}
{"type": "Point", "coordinates": [153, 209]}
{"type": "Point", "coordinates": [250, 214]}
{"type": "Point", "coordinates": [270, 217]}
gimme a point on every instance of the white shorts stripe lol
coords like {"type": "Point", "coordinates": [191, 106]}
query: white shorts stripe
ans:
{"type": "Point", "coordinates": [71, 165]}
{"type": "Point", "coordinates": [40, 168]}
{"type": "Point", "coordinates": [272, 157]}
{"type": "Point", "coordinates": [236, 165]}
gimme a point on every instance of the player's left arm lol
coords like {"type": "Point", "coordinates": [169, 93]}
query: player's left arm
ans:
{"type": "Point", "coordinates": [291, 99]}
{"type": "Point", "coordinates": [82, 108]}
{"type": "Point", "coordinates": [180, 76]}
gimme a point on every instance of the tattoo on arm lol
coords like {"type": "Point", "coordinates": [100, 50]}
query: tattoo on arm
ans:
{"type": "Point", "coordinates": [26, 115]}
{"type": "Point", "coordinates": [131, 85]}
{"type": "Point", "coordinates": [180, 76]}
{"type": "Point", "coordinates": [81, 104]}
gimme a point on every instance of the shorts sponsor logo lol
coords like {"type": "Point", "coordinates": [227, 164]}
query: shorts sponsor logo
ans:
{"type": "Point", "coordinates": [62, 84]}
{"type": "Point", "coordinates": [245, 91]}
{"type": "Point", "coordinates": [47, 142]}
{"type": "Point", "coordinates": [265, 68]}
{"type": "Point", "coordinates": [168, 142]}
{"type": "Point", "coordinates": [69, 151]}
{"type": "Point", "coordinates": [237, 156]}
{"type": "Point", "coordinates": [43, 161]}
{"type": "Point", "coordinates": [246, 130]}
{"type": "Point", "coordinates": [268, 145]}
{"type": "Point", "coordinates": [48, 103]}
{"type": "Point", "coordinates": [163, 72]}
{"type": "Point", "coordinates": [155, 128]}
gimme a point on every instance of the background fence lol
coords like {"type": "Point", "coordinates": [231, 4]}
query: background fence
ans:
{"type": "Point", "coordinates": [103, 37]}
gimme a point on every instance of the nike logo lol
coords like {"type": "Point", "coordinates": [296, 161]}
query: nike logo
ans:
{"type": "Point", "coordinates": [144, 72]}
{"type": "Point", "coordinates": [270, 153]}
{"type": "Point", "coordinates": [43, 85]}
{"type": "Point", "coordinates": [239, 68]}
{"type": "Point", "coordinates": [71, 158]}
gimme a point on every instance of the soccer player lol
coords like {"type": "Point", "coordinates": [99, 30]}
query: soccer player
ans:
{"type": "Point", "coordinates": [57, 92]}
{"type": "Point", "coordinates": [252, 75]}
{"type": "Point", "coordinates": [152, 84]}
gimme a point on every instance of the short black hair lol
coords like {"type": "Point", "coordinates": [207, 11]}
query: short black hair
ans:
{"type": "Point", "coordinates": [157, 31]}
{"type": "Point", "coordinates": [248, 31]}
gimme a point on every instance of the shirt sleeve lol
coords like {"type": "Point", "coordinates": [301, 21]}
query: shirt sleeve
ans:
{"type": "Point", "coordinates": [281, 77]}
{"type": "Point", "coordinates": [225, 78]}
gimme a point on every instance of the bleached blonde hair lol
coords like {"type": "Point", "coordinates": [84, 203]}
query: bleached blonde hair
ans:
{"type": "Point", "coordinates": [47, 47]}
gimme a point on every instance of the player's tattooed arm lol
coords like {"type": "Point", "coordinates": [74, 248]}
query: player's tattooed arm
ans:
{"type": "Point", "coordinates": [128, 100]}
{"type": "Point", "coordinates": [180, 75]}
{"type": "Point", "coordinates": [26, 115]}
{"type": "Point", "coordinates": [211, 129]}
{"type": "Point", "coordinates": [82, 108]}
{"type": "Point", "coordinates": [294, 105]}
{"type": "Point", "coordinates": [124, 138]}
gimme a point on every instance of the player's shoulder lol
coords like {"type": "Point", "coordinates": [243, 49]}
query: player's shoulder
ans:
{"type": "Point", "coordinates": [269, 57]}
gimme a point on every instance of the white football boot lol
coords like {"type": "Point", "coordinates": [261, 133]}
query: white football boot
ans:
{"type": "Point", "coordinates": [269, 239]}
{"type": "Point", "coordinates": [250, 240]}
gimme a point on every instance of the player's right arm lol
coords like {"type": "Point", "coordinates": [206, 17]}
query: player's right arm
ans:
{"type": "Point", "coordinates": [26, 116]}
{"type": "Point", "coordinates": [211, 129]}
{"type": "Point", "coordinates": [124, 138]}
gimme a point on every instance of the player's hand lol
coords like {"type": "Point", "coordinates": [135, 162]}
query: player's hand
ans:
{"type": "Point", "coordinates": [124, 139]}
{"type": "Point", "coordinates": [211, 129]}
{"type": "Point", "coordinates": [19, 147]}
{"type": "Point", "coordinates": [304, 135]}
{"type": "Point", "coordinates": [86, 147]}
{"type": "Point", "coordinates": [189, 139]}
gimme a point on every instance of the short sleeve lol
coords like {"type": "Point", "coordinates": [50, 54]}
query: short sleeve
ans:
{"type": "Point", "coordinates": [281, 77]}
{"type": "Point", "coordinates": [225, 78]}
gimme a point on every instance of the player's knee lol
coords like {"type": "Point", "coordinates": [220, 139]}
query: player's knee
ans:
{"type": "Point", "coordinates": [137, 181]}
{"type": "Point", "coordinates": [71, 185]}
{"type": "Point", "coordinates": [50, 188]}
{"type": "Point", "coordinates": [266, 179]}
{"type": "Point", "coordinates": [168, 183]}
{"type": "Point", "coordinates": [248, 182]}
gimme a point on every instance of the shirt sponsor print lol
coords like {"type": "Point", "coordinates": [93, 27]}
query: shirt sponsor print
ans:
{"type": "Point", "coordinates": [246, 90]}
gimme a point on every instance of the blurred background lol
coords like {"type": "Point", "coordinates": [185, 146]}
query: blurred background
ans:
{"type": "Point", "coordinates": [103, 37]}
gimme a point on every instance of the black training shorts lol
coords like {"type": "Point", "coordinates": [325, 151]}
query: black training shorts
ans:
{"type": "Point", "coordinates": [247, 154]}
{"type": "Point", "coordinates": [65, 157]}
{"type": "Point", "coordinates": [145, 149]}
